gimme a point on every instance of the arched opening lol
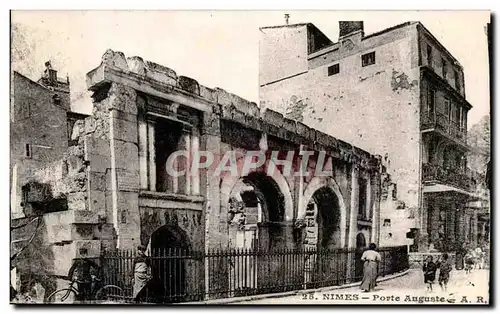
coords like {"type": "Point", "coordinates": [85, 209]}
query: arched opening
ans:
{"type": "Point", "coordinates": [256, 204]}
{"type": "Point", "coordinates": [328, 218]}
{"type": "Point", "coordinates": [326, 192]}
{"type": "Point", "coordinates": [169, 274]}
{"type": "Point", "coordinates": [323, 215]}
{"type": "Point", "coordinates": [255, 215]}
{"type": "Point", "coordinates": [323, 232]}
{"type": "Point", "coordinates": [360, 241]}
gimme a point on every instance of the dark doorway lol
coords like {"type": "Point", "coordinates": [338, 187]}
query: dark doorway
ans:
{"type": "Point", "coordinates": [264, 207]}
{"type": "Point", "coordinates": [360, 241]}
{"type": "Point", "coordinates": [327, 218]}
{"type": "Point", "coordinates": [330, 266]}
{"type": "Point", "coordinates": [168, 245]}
{"type": "Point", "coordinates": [272, 203]}
{"type": "Point", "coordinates": [360, 247]}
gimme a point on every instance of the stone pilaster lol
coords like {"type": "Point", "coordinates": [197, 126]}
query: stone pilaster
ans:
{"type": "Point", "coordinates": [353, 220]}
{"type": "Point", "coordinates": [375, 206]}
{"type": "Point", "coordinates": [195, 148]}
{"type": "Point", "coordinates": [143, 152]}
{"type": "Point", "coordinates": [125, 173]}
{"type": "Point", "coordinates": [210, 141]}
{"type": "Point", "coordinates": [151, 155]}
{"type": "Point", "coordinates": [183, 185]}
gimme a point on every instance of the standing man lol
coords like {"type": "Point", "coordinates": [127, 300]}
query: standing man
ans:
{"type": "Point", "coordinates": [80, 271]}
{"type": "Point", "coordinates": [459, 258]}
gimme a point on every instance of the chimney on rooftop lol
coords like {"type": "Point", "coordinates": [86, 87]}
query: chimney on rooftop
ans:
{"type": "Point", "coordinates": [349, 27]}
{"type": "Point", "coordinates": [50, 74]}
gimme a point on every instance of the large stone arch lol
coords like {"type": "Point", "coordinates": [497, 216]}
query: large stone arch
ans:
{"type": "Point", "coordinates": [228, 182]}
{"type": "Point", "coordinates": [314, 185]}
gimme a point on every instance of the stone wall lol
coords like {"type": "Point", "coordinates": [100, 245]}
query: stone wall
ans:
{"type": "Point", "coordinates": [35, 121]}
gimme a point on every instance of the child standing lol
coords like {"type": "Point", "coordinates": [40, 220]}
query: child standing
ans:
{"type": "Point", "coordinates": [469, 262]}
{"type": "Point", "coordinates": [444, 272]}
{"type": "Point", "coordinates": [429, 269]}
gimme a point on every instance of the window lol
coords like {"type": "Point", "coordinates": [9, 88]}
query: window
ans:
{"type": "Point", "coordinates": [368, 59]}
{"type": "Point", "coordinates": [333, 69]}
{"type": "Point", "coordinates": [56, 99]}
{"type": "Point", "coordinates": [387, 222]}
{"type": "Point", "coordinates": [27, 151]}
{"type": "Point", "coordinates": [443, 69]}
{"type": "Point", "coordinates": [167, 140]}
{"type": "Point", "coordinates": [431, 102]}
{"type": "Point", "coordinates": [362, 198]}
{"type": "Point", "coordinates": [457, 80]}
{"type": "Point", "coordinates": [452, 113]}
{"type": "Point", "coordinates": [430, 152]}
{"type": "Point", "coordinates": [456, 113]}
{"type": "Point", "coordinates": [447, 108]}
{"type": "Point", "coordinates": [429, 55]}
{"type": "Point", "coordinates": [462, 118]}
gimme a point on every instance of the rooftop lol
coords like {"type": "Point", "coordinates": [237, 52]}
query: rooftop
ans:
{"type": "Point", "coordinates": [378, 33]}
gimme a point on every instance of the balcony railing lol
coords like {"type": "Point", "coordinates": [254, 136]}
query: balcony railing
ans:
{"type": "Point", "coordinates": [453, 177]}
{"type": "Point", "coordinates": [442, 122]}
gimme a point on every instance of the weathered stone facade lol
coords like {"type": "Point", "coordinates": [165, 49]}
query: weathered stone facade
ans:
{"type": "Point", "coordinates": [144, 95]}
{"type": "Point", "coordinates": [38, 133]}
{"type": "Point", "coordinates": [119, 193]}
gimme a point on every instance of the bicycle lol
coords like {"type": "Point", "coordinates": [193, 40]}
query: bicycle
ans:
{"type": "Point", "coordinates": [70, 294]}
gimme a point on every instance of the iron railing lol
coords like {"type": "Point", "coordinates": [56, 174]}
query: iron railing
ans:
{"type": "Point", "coordinates": [180, 275]}
{"type": "Point", "coordinates": [453, 177]}
{"type": "Point", "coordinates": [442, 122]}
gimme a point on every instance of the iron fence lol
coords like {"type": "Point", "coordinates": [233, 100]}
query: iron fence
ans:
{"type": "Point", "coordinates": [180, 275]}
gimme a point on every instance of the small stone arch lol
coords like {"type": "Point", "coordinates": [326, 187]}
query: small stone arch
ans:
{"type": "Point", "coordinates": [360, 241]}
{"type": "Point", "coordinates": [170, 276]}
{"type": "Point", "coordinates": [314, 185]}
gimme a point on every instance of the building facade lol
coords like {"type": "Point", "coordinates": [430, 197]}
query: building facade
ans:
{"type": "Point", "coordinates": [398, 92]}
{"type": "Point", "coordinates": [115, 174]}
{"type": "Point", "coordinates": [41, 123]}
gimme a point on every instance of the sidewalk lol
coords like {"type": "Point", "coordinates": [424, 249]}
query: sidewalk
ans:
{"type": "Point", "coordinates": [410, 289]}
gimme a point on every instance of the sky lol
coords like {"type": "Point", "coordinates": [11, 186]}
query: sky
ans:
{"type": "Point", "coordinates": [219, 48]}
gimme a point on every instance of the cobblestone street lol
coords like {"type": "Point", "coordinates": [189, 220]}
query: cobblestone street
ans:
{"type": "Point", "coordinates": [409, 288]}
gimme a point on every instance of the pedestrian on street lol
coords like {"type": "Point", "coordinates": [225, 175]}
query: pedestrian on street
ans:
{"type": "Point", "coordinates": [480, 257]}
{"type": "Point", "coordinates": [459, 257]}
{"type": "Point", "coordinates": [371, 258]}
{"type": "Point", "coordinates": [469, 262]}
{"type": "Point", "coordinates": [444, 272]}
{"type": "Point", "coordinates": [81, 273]}
{"type": "Point", "coordinates": [430, 269]}
{"type": "Point", "coordinates": [142, 274]}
